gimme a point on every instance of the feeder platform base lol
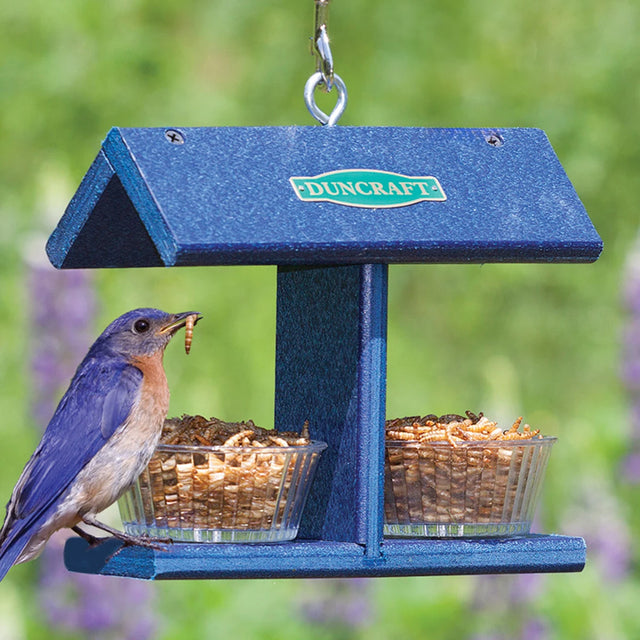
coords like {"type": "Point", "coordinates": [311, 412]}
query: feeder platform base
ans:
{"type": "Point", "coordinates": [326, 559]}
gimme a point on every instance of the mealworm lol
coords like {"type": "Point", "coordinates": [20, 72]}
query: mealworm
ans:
{"type": "Point", "coordinates": [515, 426]}
{"type": "Point", "coordinates": [188, 332]}
{"type": "Point", "coordinates": [202, 440]}
{"type": "Point", "coordinates": [448, 428]}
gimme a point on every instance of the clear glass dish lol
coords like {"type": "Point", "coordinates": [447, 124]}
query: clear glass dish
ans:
{"type": "Point", "coordinates": [221, 493]}
{"type": "Point", "coordinates": [477, 488]}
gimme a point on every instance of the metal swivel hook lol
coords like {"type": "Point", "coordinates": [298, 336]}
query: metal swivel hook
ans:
{"type": "Point", "coordinates": [309, 88]}
{"type": "Point", "coordinates": [324, 75]}
{"type": "Point", "coordinates": [321, 47]}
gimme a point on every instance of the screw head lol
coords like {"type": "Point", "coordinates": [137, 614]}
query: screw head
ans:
{"type": "Point", "coordinates": [174, 136]}
{"type": "Point", "coordinates": [494, 139]}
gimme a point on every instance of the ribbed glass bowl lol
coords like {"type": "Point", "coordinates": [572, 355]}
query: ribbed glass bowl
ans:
{"type": "Point", "coordinates": [477, 488]}
{"type": "Point", "coordinates": [221, 493]}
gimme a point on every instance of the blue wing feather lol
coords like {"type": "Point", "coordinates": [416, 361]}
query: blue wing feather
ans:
{"type": "Point", "coordinates": [119, 400]}
{"type": "Point", "coordinates": [99, 399]}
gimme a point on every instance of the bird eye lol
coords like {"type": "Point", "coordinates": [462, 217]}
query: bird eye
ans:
{"type": "Point", "coordinates": [140, 326]}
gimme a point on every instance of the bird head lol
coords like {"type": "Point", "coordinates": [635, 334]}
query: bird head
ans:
{"type": "Point", "coordinates": [142, 332]}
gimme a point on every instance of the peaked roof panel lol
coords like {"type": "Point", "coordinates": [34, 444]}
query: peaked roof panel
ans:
{"type": "Point", "coordinates": [323, 195]}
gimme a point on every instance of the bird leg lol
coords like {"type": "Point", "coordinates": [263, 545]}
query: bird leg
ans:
{"type": "Point", "coordinates": [92, 540]}
{"type": "Point", "coordinates": [142, 541]}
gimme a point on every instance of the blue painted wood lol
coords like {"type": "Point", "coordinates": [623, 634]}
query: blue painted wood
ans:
{"type": "Point", "coordinates": [372, 389]}
{"type": "Point", "coordinates": [224, 197]}
{"type": "Point", "coordinates": [331, 370]}
{"type": "Point", "coordinates": [535, 553]}
{"type": "Point", "coordinates": [105, 224]}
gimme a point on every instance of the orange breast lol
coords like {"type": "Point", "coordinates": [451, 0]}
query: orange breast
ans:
{"type": "Point", "coordinates": [154, 396]}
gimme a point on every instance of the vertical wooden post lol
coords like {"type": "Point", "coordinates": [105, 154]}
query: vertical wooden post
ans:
{"type": "Point", "coordinates": [331, 370]}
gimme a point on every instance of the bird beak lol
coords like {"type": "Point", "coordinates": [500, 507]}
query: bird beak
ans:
{"type": "Point", "coordinates": [178, 321]}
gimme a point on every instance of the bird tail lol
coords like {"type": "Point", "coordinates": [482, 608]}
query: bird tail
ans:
{"type": "Point", "coordinates": [15, 536]}
{"type": "Point", "coordinates": [11, 549]}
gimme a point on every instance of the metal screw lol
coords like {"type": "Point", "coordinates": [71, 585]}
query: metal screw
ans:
{"type": "Point", "coordinates": [173, 136]}
{"type": "Point", "coordinates": [494, 140]}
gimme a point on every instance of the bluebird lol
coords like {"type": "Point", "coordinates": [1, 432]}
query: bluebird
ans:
{"type": "Point", "coordinates": [99, 439]}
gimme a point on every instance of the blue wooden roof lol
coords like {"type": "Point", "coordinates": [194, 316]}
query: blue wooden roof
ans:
{"type": "Point", "coordinates": [225, 195]}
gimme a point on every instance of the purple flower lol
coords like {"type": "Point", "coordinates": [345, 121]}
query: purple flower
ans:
{"type": "Point", "coordinates": [526, 588]}
{"type": "Point", "coordinates": [104, 607]}
{"type": "Point", "coordinates": [63, 308]}
{"type": "Point", "coordinates": [631, 467]}
{"type": "Point", "coordinates": [630, 366]}
{"type": "Point", "coordinates": [340, 605]}
{"type": "Point", "coordinates": [510, 600]}
{"type": "Point", "coordinates": [631, 286]}
{"type": "Point", "coordinates": [596, 515]}
{"type": "Point", "coordinates": [535, 629]}
{"type": "Point", "coordinates": [631, 374]}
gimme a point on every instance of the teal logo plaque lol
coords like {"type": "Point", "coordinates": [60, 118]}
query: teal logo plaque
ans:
{"type": "Point", "coordinates": [367, 188]}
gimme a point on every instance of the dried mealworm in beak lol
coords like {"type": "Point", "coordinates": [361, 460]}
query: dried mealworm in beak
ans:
{"type": "Point", "coordinates": [188, 332]}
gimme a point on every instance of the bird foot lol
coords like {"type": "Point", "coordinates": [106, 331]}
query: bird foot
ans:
{"type": "Point", "coordinates": [144, 540]}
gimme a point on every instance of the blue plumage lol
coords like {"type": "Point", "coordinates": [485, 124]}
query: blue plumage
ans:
{"type": "Point", "coordinates": [99, 438]}
{"type": "Point", "coordinates": [101, 395]}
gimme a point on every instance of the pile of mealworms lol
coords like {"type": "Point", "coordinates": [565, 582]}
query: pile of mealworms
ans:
{"type": "Point", "coordinates": [434, 473]}
{"type": "Point", "coordinates": [454, 428]}
{"type": "Point", "coordinates": [209, 432]}
{"type": "Point", "coordinates": [244, 486]}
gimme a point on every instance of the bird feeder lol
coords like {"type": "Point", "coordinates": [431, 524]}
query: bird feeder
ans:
{"type": "Point", "coordinates": [332, 207]}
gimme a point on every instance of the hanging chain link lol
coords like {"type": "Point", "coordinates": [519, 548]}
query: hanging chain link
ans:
{"type": "Point", "coordinates": [324, 75]}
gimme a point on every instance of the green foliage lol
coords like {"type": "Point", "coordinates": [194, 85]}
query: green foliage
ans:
{"type": "Point", "coordinates": [542, 341]}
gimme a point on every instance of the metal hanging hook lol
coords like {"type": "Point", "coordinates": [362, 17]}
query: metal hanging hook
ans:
{"type": "Point", "coordinates": [325, 74]}
{"type": "Point", "coordinates": [322, 50]}
{"type": "Point", "coordinates": [309, 90]}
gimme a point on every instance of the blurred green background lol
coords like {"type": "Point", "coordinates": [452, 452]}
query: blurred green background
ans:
{"type": "Point", "coordinates": [543, 341]}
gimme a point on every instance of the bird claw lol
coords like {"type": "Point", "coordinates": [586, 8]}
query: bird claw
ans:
{"type": "Point", "coordinates": [128, 540]}
{"type": "Point", "coordinates": [145, 540]}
